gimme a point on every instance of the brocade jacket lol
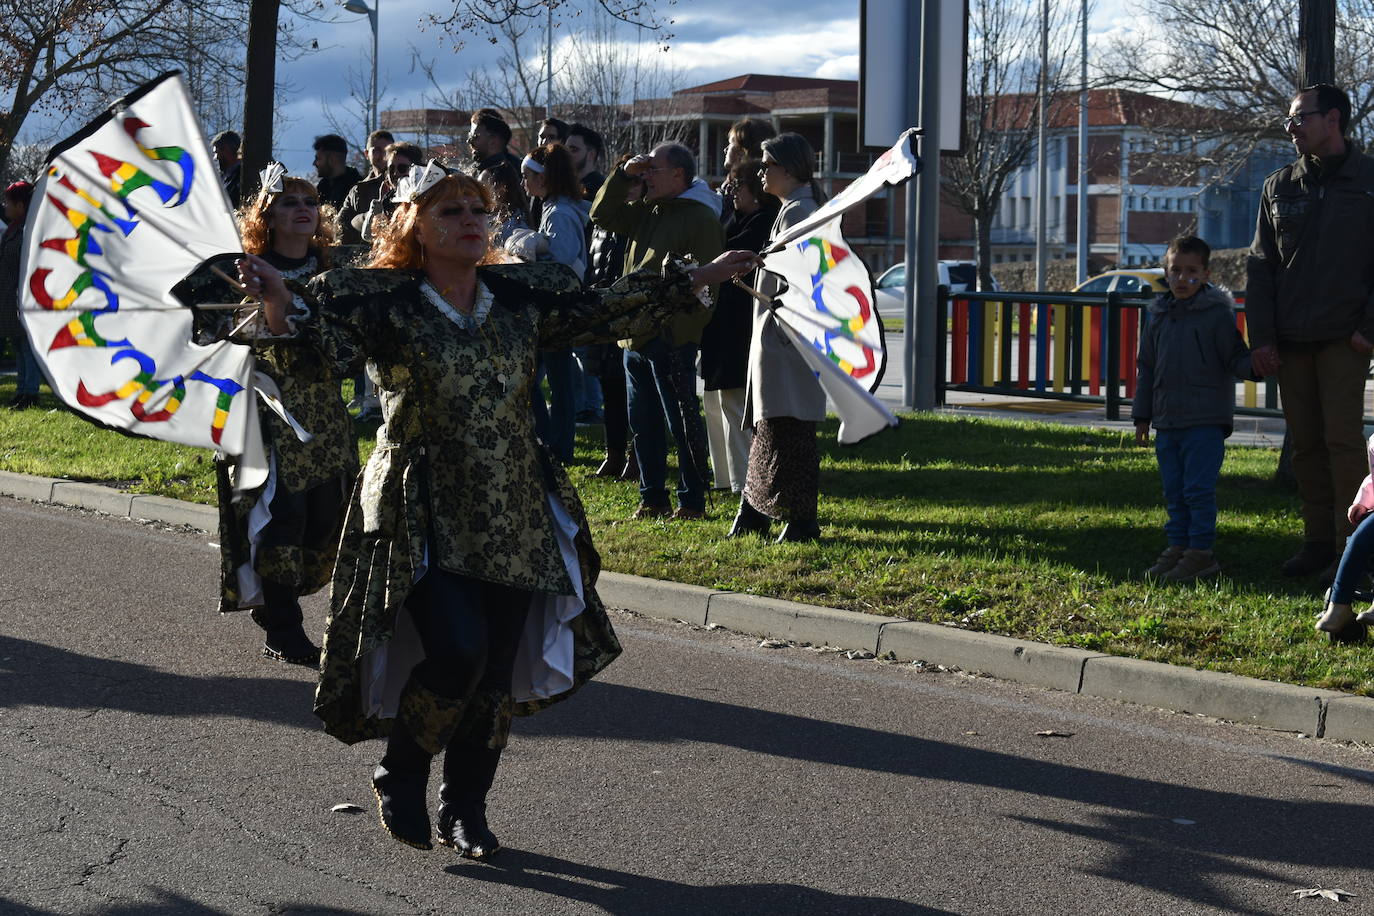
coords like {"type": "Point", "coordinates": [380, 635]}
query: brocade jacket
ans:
{"type": "Point", "coordinates": [457, 460]}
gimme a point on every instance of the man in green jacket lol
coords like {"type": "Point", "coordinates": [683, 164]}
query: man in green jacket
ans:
{"type": "Point", "coordinates": [679, 214]}
{"type": "Point", "coordinates": [1310, 310]}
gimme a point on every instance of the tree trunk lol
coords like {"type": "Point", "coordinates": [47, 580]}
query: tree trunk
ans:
{"type": "Point", "coordinates": [8, 128]}
{"type": "Point", "coordinates": [982, 227]}
{"type": "Point", "coordinates": [259, 91]}
{"type": "Point", "coordinates": [1316, 42]}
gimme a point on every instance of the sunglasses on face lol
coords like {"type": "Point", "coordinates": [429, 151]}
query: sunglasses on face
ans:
{"type": "Point", "coordinates": [1296, 120]}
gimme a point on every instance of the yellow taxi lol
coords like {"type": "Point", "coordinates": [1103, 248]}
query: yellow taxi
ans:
{"type": "Point", "coordinates": [1126, 280]}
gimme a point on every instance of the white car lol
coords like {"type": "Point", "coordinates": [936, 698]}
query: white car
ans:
{"type": "Point", "coordinates": [959, 276]}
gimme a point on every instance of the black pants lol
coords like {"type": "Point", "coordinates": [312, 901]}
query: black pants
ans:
{"type": "Point", "coordinates": [470, 631]}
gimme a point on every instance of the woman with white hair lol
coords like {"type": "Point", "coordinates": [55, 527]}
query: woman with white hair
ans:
{"type": "Point", "coordinates": [783, 401]}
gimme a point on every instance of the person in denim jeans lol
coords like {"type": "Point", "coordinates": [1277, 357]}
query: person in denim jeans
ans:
{"type": "Point", "coordinates": [1190, 355]}
{"type": "Point", "coordinates": [679, 214]}
{"type": "Point", "coordinates": [662, 388]}
{"type": "Point", "coordinates": [1337, 615]}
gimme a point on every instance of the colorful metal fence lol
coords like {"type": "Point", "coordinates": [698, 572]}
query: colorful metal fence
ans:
{"type": "Point", "coordinates": [1060, 346]}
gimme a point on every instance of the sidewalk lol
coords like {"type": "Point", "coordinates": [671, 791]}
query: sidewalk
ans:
{"type": "Point", "coordinates": [1311, 711]}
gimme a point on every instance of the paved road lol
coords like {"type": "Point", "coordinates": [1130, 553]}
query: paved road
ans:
{"type": "Point", "coordinates": [151, 763]}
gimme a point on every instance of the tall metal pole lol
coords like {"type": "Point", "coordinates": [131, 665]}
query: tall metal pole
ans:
{"type": "Point", "coordinates": [911, 293]}
{"type": "Point", "coordinates": [1041, 168]}
{"type": "Point", "coordinates": [1083, 229]}
{"type": "Point", "coordinates": [548, 64]}
{"type": "Point", "coordinates": [923, 221]}
{"type": "Point", "coordinates": [375, 22]}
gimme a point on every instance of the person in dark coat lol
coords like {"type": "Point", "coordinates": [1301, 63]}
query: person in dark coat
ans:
{"type": "Point", "coordinates": [16, 200]}
{"type": "Point", "coordinates": [725, 342]}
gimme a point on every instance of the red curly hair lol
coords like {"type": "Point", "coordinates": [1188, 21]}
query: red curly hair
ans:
{"type": "Point", "coordinates": [396, 245]}
{"type": "Point", "coordinates": [257, 237]}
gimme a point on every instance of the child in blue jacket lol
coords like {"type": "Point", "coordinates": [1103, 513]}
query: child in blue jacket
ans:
{"type": "Point", "coordinates": [1190, 356]}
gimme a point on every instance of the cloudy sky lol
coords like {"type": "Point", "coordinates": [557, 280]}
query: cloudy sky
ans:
{"type": "Point", "coordinates": [713, 39]}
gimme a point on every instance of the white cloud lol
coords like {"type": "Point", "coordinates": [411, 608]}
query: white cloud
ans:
{"type": "Point", "coordinates": [840, 68]}
{"type": "Point", "coordinates": [786, 51]}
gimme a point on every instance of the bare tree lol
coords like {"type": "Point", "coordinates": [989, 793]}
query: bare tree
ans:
{"type": "Point", "coordinates": [516, 85]}
{"type": "Point", "coordinates": [26, 162]}
{"type": "Point", "coordinates": [1209, 52]}
{"type": "Point", "coordinates": [65, 55]}
{"type": "Point", "coordinates": [479, 16]}
{"type": "Point", "coordinates": [1002, 118]}
{"type": "Point", "coordinates": [619, 85]}
{"type": "Point", "coordinates": [349, 119]}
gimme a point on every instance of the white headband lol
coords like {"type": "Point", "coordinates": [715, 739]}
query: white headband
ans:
{"type": "Point", "coordinates": [417, 181]}
{"type": "Point", "coordinates": [271, 178]}
{"type": "Point", "coordinates": [530, 164]}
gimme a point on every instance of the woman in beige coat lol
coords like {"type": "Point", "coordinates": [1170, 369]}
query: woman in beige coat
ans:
{"type": "Point", "coordinates": [783, 402]}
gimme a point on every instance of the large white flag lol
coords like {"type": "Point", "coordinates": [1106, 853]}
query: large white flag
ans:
{"type": "Point", "coordinates": [129, 206]}
{"type": "Point", "coordinates": [828, 305]}
{"type": "Point", "coordinates": [827, 309]}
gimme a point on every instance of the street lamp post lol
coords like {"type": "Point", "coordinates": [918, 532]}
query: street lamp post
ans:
{"type": "Point", "coordinates": [361, 7]}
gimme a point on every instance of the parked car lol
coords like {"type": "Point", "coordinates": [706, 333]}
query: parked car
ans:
{"type": "Point", "coordinates": [1125, 280]}
{"type": "Point", "coordinates": [959, 276]}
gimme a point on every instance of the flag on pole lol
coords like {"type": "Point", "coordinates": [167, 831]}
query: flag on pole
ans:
{"type": "Point", "coordinates": [827, 307]}
{"type": "Point", "coordinates": [128, 207]}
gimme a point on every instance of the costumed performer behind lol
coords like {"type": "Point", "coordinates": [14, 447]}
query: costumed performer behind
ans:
{"type": "Point", "coordinates": [279, 541]}
{"type": "Point", "coordinates": [463, 592]}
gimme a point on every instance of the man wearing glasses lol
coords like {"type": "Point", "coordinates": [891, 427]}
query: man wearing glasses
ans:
{"type": "Point", "coordinates": [1310, 310]}
{"type": "Point", "coordinates": [679, 214]}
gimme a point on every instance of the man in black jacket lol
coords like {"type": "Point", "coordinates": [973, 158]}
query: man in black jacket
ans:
{"type": "Point", "coordinates": [1310, 310]}
{"type": "Point", "coordinates": [363, 194]}
{"type": "Point", "coordinates": [337, 177]}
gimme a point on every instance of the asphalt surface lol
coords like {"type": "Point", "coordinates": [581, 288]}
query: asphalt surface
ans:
{"type": "Point", "coordinates": [153, 763]}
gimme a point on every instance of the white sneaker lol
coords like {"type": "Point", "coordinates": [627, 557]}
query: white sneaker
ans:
{"type": "Point", "coordinates": [1335, 618]}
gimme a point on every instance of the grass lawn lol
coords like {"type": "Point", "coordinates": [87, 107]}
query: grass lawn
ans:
{"type": "Point", "coordinates": [1034, 530]}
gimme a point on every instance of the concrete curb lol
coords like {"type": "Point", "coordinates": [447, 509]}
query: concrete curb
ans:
{"type": "Point", "coordinates": [1321, 713]}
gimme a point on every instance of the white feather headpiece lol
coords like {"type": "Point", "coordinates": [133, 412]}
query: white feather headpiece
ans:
{"type": "Point", "coordinates": [272, 177]}
{"type": "Point", "coordinates": [417, 181]}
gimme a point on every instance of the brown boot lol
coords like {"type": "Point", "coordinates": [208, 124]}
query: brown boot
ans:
{"type": "Point", "coordinates": [1314, 557]}
{"type": "Point", "coordinates": [1194, 564]}
{"type": "Point", "coordinates": [1165, 561]}
{"type": "Point", "coordinates": [631, 471]}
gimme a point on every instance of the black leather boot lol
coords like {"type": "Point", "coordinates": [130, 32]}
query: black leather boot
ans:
{"type": "Point", "coordinates": [749, 520]}
{"type": "Point", "coordinates": [796, 532]}
{"type": "Point", "coordinates": [281, 619]}
{"type": "Point", "coordinates": [468, 774]}
{"type": "Point", "coordinates": [399, 782]}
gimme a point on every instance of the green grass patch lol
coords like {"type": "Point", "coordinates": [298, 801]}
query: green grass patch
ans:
{"type": "Point", "coordinates": [1027, 529]}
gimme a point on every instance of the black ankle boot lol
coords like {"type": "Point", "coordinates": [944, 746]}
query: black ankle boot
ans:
{"type": "Point", "coordinates": [281, 619]}
{"type": "Point", "coordinates": [796, 532]}
{"type": "Point", "coordinates": [748, 521]}
{"type": "Point", "coordinates": [399, 782]}
{"type": "Point", "coordinates": [468, 774]}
